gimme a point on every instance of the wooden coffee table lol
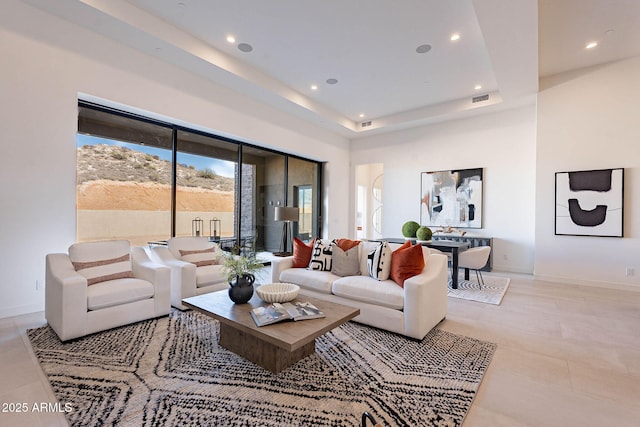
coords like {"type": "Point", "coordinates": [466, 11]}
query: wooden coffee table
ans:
{"type": "Point", "coordinates": [274, 347]}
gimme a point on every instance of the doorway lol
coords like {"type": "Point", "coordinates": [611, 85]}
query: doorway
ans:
{"type": "Point", "coordinates": [369, 180]}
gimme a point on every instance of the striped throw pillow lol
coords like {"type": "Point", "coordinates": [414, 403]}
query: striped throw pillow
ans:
{"type": "Point", "coordinates": [106, 269]}
{"type": "Point", "coordinates": [200, 257]}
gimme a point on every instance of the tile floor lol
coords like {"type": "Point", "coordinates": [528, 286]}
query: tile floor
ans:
{"type": "Point", "coordinates": [567, 355]}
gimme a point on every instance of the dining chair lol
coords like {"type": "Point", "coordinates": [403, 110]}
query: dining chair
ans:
{"type": "Point", "coordinates": [475, 259]}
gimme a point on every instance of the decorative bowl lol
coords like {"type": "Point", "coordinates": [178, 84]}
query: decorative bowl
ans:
{"type": "Point", "coordinates": [278, 292]}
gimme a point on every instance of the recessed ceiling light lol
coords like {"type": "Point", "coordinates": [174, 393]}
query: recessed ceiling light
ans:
{"type": "Point", "coordinates": [455, 37]}
{"type": "Point", "coordinates": [478, 87]}
{"type": "Point", "coordinates": [314, 87]}
{"type": "Point", "coordinates": [591, 45]}
{"type": "Point", "coordinates": [231, 39]}
{"type": "Point", "coordinates": [332, 81]}
{"type": "Point", "coordinates": [423, 48]}
{"type": "Point", "coordinates": [361, 115]}
{"type": "Point", "coordinates": [245, 47]}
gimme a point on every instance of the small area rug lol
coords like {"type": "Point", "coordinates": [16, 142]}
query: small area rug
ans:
{"type": "Point", "coordinates": [491, 293]}
{"type": "Point", "coordinates": [172, 372]}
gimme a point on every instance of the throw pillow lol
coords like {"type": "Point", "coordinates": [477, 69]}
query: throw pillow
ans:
{"type": "Point", "coordinates": [379, 262]}
{"type": "Point", "coordinates": [302, 253]}
{"type": "Point", "coordinates": [346, 244]}
{"type": "Point", "coordinates": [406, 262]}
{"type": "Point", "coordinates": [103, 270]}
{"type": "Point", "coordinates": [321, 256]}
{"type": "Point", "coordinates": [405, 245]}
{"type": "Point", "coordinates": [200, 257]}
{"type": "Point", "coordinates": [345, 263]}
{"type": "Point", "coordinates": [365, 248]}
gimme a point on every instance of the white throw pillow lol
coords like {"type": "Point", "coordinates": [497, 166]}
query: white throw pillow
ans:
{"type": "Point", "coordinates": [321, 256]}
{"type": "Point", "coordinates": [379, 262]}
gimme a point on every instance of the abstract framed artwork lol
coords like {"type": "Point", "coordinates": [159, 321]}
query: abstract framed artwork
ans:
{"type": "Point", "coordinates": [451, 198]}
{"type": "Point", "coordinates": [590, 203]}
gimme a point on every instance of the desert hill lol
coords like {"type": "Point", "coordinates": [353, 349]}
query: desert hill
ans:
{"type": "Point", "coordinates": [117, 178]}
{"type": "Point", "coordinates": [113, 163]}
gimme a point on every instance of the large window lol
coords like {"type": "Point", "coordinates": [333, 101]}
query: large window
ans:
{"type": "Point", "coordinates": [145, 181]}
{"type": "Point", "coordinates": [124, 169]}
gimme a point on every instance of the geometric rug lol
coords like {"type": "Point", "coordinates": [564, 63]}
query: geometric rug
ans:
{"type": "Point", "coordinates": [491, 293]}
{"type": "Point", "coordinates": [172, 372]}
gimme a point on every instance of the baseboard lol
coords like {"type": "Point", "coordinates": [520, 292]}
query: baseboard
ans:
{"type": "Point", "coordinates": [20, 310]}
{"type": "Point", "coordinates": [507, 268]}
{"type": "Point", "coordinates": [590, 283]}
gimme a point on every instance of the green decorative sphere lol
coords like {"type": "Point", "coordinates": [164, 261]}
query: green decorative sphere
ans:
{"type": "Point", "coordinates": [424, 233]}
{"type": "Point", "coordinates": [409, 228]}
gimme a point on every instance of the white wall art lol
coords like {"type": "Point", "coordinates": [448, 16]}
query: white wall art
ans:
{"type": "Point", "coordinates": [590, 203]}
{"type": "Point", "coordinates": [452, 198]}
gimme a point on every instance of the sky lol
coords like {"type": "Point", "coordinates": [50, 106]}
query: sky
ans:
{"type": "Point", "coordinates": [220, 167]}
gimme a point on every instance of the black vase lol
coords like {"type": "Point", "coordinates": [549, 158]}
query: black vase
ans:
{"type": "Point", "coordinates": [241, 288]}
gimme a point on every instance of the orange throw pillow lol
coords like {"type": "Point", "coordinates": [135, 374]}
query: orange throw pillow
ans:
{"type": "Point", "coordinates": [405, 245]}
{"type": "Point", "coordinates": [346, 244]}
{"type": "Point", "coordinates": [406, 261]}
{"type": "Point", "coordinates": [302, 253]}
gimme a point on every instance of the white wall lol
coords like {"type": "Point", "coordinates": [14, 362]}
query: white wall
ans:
{"type": "Point", "coordinates": [502, 143]}
{"type": "Point", "coordinates": [589, 119]}
{"type": "Point", "coordinates": [46, 63]}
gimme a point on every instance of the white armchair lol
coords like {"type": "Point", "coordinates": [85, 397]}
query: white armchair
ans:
{"type": "Point", "coordinates": [101, 285]}
{"type": "Point", "coordinates": [196, 267]}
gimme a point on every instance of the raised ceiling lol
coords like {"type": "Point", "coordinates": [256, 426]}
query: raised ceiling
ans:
{"type": "Point", "coordinates": [371, 49]}
{"type": "Point", "coordinates": [567, 26]}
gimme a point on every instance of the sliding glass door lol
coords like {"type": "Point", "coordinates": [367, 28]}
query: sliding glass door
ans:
{"type": "Point", "coordinates": [206, 170]}
{"type": "Point", "coordinates": [145, 181]}
{"type": "Point", "coordinates": [303, 191]}
{"type": "Point", "coordinates": [262, 190]}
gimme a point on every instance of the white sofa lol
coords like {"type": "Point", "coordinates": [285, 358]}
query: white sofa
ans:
{"type": "Point", "coordinates": [412, 310]}
{"type": "Point", "coordinates": [128, 288]}
{"type": "Point", "coordinates": [187, 279]}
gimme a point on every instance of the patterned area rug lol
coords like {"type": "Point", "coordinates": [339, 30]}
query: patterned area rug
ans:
{"type": "Point", "coordinates": [172, 372]}
{"type": "Point", "coordinates": [491, 293]}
